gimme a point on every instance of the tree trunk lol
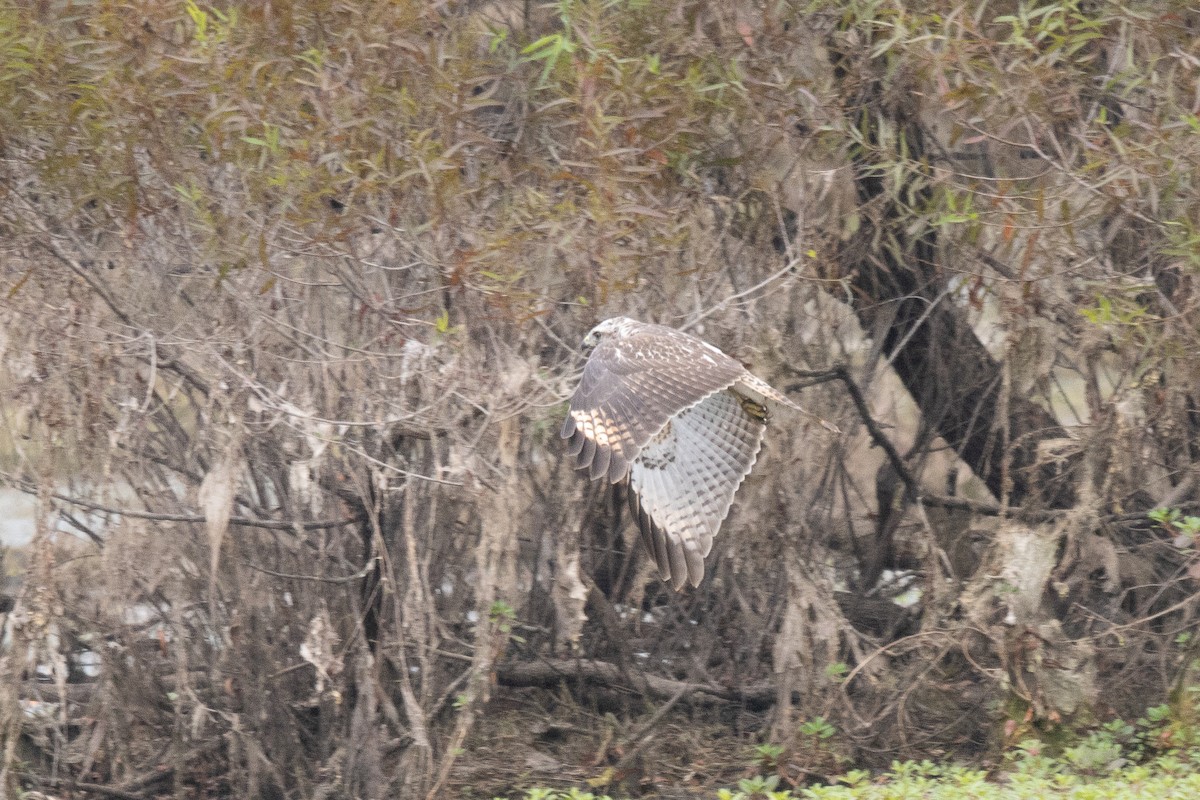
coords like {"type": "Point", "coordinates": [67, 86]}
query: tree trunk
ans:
{"type": "Point", "coordinates": [902, 295]}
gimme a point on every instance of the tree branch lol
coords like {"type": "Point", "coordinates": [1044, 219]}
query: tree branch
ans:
{"type": "Point", "coordinates": [245, 522]}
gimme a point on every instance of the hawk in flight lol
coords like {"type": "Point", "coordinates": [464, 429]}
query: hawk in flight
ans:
{"type": "Point", "coordinates": [681, 420]}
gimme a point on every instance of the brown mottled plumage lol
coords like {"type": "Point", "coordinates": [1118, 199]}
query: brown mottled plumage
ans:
{"type": "Point", "coordinates": [682, 421]}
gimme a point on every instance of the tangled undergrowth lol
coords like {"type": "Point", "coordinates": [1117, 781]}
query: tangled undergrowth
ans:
{"type": "Point", "coordinates": [1155, 756]}
{"type": "Point", "coordinates": [291, 297]}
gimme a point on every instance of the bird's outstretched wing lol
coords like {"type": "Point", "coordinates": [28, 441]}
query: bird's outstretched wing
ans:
{"type": "Point", "coordinates": [682, 420]}
{"type": "Point", "coordinates": [682, 484]}
{"type": "Point", "coordinates": [631, 386]}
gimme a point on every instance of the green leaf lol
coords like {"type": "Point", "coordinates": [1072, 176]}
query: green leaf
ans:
{"type": "Point", "coordinates": [540, 44]}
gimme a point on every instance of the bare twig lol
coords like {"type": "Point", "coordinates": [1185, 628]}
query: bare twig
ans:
{"type": "Point", "coordinates": [245, 522]}
{"type": "Point", "coordinates": [633, 744]}
{"type": "Point", "coordinates": [357, 576]}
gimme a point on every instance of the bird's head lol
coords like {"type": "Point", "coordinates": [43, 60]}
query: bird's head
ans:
{"type": "Point", "coordinates": [607, 328]}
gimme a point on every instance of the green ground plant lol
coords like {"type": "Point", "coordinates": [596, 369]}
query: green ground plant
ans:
{"type": "Point", "coordinates": [1155, 756]}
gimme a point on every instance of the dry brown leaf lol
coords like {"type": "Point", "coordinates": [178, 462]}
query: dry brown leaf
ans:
{"type": "Point", "coordinates": [320, 648]}
{"type": "Point", "coordinates": [215, 498]}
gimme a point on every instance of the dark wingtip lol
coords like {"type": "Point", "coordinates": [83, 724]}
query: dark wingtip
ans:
{"type": "Point", "coordinates": [664, 569]}
{"type": "Point", "coordinates": [677, 563]}
{"type": "Point", "coordinates": [656, 543]}
{"type": "Point", "coordinates": [679, 579]}
{"type": "Point", "coordinates": [586, 453]}
{"type": "Point", "coordinates": [640, 519]}
{"type": "Point", "coordinates": [670, 559]}
{"type": "Point", "coordinates": [600, 463]}
{"type": "Point", "coordinates": [618, 468]}
{"type": "Point", "coordinates": [695, 570]}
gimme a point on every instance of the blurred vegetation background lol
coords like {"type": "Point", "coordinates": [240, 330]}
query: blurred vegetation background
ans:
{"type": "Point", "coordinates": [292, 297]}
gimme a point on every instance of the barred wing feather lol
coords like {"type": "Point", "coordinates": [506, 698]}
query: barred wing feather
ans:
{"type": "Point", "coordinates": [682, 485]}
{"type": "Point", "coordinates": [628, 393]}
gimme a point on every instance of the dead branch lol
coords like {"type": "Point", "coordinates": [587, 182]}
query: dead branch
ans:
{"type": "Point", "coordinates": [245, 522]}
{"type": "Point", "coordinates": [549, 673]}
{"type": "Point", "coordinates": [128, 793]}
{"type": "Point", "coordinates": [875, 432]}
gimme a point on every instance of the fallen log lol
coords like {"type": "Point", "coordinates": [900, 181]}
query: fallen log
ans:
{"type": "Point", "coordinates": [554, 671]}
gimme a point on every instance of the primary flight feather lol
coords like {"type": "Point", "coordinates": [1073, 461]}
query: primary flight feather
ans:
{"type": "Point", "coordinates": [682, 421]}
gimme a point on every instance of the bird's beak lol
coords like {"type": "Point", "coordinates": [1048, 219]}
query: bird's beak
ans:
{"type": "Point", "coordinates": [589, 343]}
